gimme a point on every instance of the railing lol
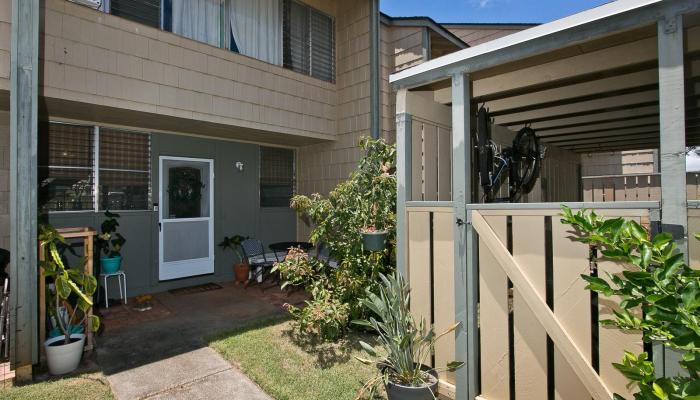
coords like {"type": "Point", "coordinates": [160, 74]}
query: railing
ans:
{"type": "Point", "coordinates": [537, 327]}
{"type": "Point", "coordinates": [632, 187]}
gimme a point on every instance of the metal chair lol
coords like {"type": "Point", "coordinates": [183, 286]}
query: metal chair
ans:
{"type": "Point", "coordinates": [257, 259]}
{"type": "Point", "coordinates": [323, 253]}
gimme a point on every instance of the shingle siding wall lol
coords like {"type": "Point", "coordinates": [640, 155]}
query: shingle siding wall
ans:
{"type": "Point", "coordinates": [102, 59]}
{"type": "Point", "coordinates": [477, 34]}
{"type": "Point", "coordinates": [4, 179]}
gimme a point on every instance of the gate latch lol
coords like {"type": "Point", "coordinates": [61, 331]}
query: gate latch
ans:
{"type": "Point", "coordinates": [460, 222]}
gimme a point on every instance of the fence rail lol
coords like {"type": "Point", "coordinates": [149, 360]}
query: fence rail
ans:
{"type": "Point", "coordinates": [632, 187]}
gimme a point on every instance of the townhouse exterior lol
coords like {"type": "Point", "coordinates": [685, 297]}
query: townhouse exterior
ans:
{"type": "Point", "coordinates": [253, 100]}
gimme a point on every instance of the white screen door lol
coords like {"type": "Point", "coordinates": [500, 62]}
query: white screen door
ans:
{"type": "Point", "coordinates": [186, 223]}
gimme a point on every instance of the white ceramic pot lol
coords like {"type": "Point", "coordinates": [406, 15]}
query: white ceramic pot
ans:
{"type": "Point", "coordinates": [64, 358]}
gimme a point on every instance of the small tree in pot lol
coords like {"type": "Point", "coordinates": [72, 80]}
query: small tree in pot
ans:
{"type": "Point", "coordinates": [240, 268]}
{"type": "Point", "coordinates": [110, 242]}
{"type": "Point", "coordinates": [408, 345]}
{"type": "Point", "coordinates": [63, 352]}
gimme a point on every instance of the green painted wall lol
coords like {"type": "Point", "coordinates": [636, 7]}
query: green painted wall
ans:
{"type": "Point", "coordinates": [236, 211]}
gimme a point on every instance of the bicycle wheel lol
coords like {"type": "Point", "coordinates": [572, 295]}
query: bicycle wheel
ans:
{"type": "Point", "coordinates": [526, 162]}
{"type": "Point", "coordinates": [485, 151]}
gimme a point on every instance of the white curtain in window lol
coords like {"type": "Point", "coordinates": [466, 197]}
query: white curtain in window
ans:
{"type": "Point", "coordinates": [256, 26]}
{"type": "Point", "coordinates": [198, 19]}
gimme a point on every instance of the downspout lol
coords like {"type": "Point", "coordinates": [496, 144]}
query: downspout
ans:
{"type": "Point", "coordinates": [374, 71]}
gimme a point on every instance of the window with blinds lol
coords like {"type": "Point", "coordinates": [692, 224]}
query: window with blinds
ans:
{"type": "Point", "coordinates": [308, 41]}
{"type": "Point", "coordinates": [124, 170]}
{"type": "Point", "coordinates": [277, 183]}
{"type": "Point", "coordinates": [146, 12]}
{"type": "Point", "coordinates": [70, 167]}
{"type": "Point", "coordinates": [66, 168]}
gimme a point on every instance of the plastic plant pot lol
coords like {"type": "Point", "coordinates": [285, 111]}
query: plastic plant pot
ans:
{"type": "Point", "coordinates": [374, 241]}
{"type": "Point", "coordinates": [110, 265]}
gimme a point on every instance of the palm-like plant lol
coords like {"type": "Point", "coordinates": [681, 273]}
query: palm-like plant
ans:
{"type": "Point", "coordinates": [408, 344]}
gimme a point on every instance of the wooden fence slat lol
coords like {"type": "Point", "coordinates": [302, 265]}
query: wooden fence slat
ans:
{"type": "Point", "coordinates": [444, 164]}
{"type": "Point", "coordinates": [443, 262]}
{"type": "Point", "coordinates": [571, 306]}
{"type": "Point", "coordinates": [493, 320]}
{"type": "Point", "coordinates": [693, 244]}
{"type": "Point", "coordinates": [530, 338]}
{"type": "Point", "coordinates": [587, 189]}
{"type": "Point", "coordinates": [619, 187]}
{"type": "Point", "coordinates": [655, 187]}
{"type": "Point", "coordinates": [596, 387]}
{"type": "Point", "coordinates": [608, 189]}
{"type": "Point", "coordinates": [419, 263]}
{"type": "Point", "coordinates": [691, 184]}
{"type": "Point", "coordinates": [430, 160]}
{"type": "Point", "coordinates": [417, 160]}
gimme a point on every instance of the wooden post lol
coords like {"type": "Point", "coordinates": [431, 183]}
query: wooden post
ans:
{"type": "Point", "coordinates": [24, 90]}
{"type": "Point", "coordinates": [674, 211]}
{"type": "Point", "coordinates": [404, 180]}
{"type": "Point", "coordinates": [466, 340]}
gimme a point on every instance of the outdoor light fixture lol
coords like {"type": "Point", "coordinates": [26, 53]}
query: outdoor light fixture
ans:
{"type": "Point", "coordinates": [239, 166]}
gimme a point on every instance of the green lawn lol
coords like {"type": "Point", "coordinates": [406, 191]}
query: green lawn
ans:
{"type": "Point", "coordinates": [289, 367]}
{"type": "Point", "coordinates": [83, 387]}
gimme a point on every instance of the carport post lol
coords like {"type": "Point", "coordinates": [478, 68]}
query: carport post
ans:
{"type": "Point", "coordinates": [674, 211]}
{"type": "Point", "coordinates": [403, 179]}
{"type": "Point", "coordinates": [465, 281]}
{"type": "Point", "coordinates": [24, 94]}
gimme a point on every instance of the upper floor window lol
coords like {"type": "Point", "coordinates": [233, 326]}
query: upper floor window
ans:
{"type": "Point", "coordinates": [309, 41]}
{"type": "Point", "coordinates": [281, 32]}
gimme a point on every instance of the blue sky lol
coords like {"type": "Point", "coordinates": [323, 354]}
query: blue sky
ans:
{"type": "Point", "coordinates": [502, 11]}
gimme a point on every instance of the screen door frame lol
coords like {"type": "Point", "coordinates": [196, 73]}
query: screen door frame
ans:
{"type": "Point", "coordinates": [168, 270]}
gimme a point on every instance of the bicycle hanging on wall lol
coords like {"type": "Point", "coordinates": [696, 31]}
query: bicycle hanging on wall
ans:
{"type": "Point", "coordinates": [521, 161]}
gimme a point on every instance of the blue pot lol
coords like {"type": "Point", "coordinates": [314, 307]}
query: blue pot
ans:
{"type": "Point", "coordinates": [110, 265]}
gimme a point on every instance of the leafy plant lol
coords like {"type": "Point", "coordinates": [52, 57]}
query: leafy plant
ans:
{"type": "Point", "coordinates": [67, 281]}
{"type": "Point", "coordinates": [110, 241]}
{"type": "Point", "coordinates": [367, 198]}
{"type": "Point", "coordinates": [659, 297]}
{"type": "Point", "coordinates": [234, 243]}
{"type": "Point", "coordinates": [408, 344]}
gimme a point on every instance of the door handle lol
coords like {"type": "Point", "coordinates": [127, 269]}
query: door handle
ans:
{"type": "Point", "coordinates": [160, 227]}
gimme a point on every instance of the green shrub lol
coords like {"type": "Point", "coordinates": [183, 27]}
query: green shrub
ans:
{"type": "Point", "coordinates": [658, 283]}
{"type": "Point", "coordinates": [366, 199]}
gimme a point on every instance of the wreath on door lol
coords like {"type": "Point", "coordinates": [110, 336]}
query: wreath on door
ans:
{"type": "Point", "coordinates": [185, 192]}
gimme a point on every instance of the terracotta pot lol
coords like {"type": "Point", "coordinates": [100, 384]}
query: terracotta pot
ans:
{"type": "Point", "coordinates": [242, 271]}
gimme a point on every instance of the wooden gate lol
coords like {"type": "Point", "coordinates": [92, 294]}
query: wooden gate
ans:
{"type": "Point", "coordinates": [538, 333]}
{"type": "Point", "coordinates": [540, 336]}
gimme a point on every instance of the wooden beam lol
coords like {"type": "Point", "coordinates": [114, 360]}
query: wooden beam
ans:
{"type": "Point", "coordinates": [585, 107]}
{"type": "Point", "coordinates": [672, 104]}
{"type": "Point", "coordinates": [404, 181]}
{"type": "Point", "coordinates": [24, 91]}
{"type": "Point", "coordinates": [587, 119]}
{"type": "Point", "coordinates": [466, 340]}
{"type": "Point", "coordinates": [595, 127]}
{"type": "Point", "coordinates": [564, 343]}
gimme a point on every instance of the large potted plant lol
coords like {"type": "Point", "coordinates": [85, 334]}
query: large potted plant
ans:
{"type": "Point", "coordinates": [63, 352]}
{"type": "Point", "coordinates": [241, 269]}
{"type": "Point", "coordinates": [407, 345]}
{"type": "Point", "coordinates": [110, 242]}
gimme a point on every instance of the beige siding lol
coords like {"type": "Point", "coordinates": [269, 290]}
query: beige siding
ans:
{"type": "Point", "coordinates": [620, 162]}
{"type": "Point", "coordinates": [322, 166]}
{"type": "Point", "coordinates": [100, 59]}
{"type": "Point", "coordinates": [408, 47]}
{"type": "Point", "coordinates": [4, 179]}
{"type": "Point", "coordinates": [5, 35]}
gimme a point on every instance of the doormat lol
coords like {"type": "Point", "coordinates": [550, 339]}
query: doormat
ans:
{"type": "Point", "coordinates": [195, 289]}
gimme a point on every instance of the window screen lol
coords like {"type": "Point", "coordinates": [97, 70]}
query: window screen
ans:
{"type": "Point", "coordinates": [276, 176]}
{"type": "Point", "coordinates": [66, 167]}
{"type": "Point", "coordinates": [309, 41]}
{"type": "Point", "coordinates": [124, 170]}
{"type": "Point", "coordinates": [146, 12]}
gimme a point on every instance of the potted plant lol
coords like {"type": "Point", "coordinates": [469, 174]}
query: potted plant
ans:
{"type": "Point", "coordinates": [63, 352]}
{"type": "Point", "coordinates": [110, 242]}
{"type": "Point", "coordinates": [240, 268]}
{"type": "Point", "coordinates": [373, 239]}
{"type": "Point", "coordinates": [407, 344]}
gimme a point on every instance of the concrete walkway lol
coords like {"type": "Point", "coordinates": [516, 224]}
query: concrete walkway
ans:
{"type": "Point", "coordinates": [198, 374]}
{"type": "Point", "coordinates": [169, 358]}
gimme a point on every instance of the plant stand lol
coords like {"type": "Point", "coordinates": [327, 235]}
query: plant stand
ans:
{"type": "Point", "coordinates": [86, 234]}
